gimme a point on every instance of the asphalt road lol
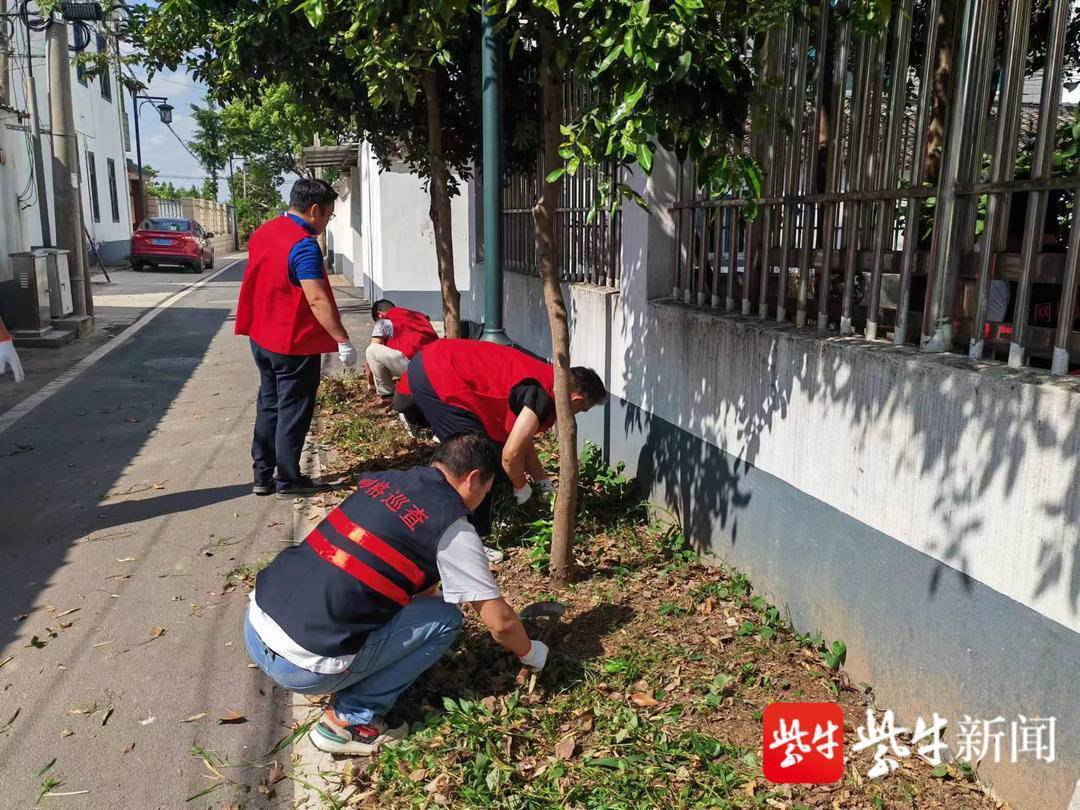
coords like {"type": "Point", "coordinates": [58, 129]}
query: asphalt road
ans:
{"type": "Point", "coordinates": [124, 504]}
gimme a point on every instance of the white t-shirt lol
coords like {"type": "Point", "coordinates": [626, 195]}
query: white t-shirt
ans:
{"type": "Point", "coordinates": [463, 569]}
{"type": "Point", "coordinates": [382, 328]}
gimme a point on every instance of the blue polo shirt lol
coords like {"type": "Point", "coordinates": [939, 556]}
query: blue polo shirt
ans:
{"type": "Point", "coordinates": [305, 258]}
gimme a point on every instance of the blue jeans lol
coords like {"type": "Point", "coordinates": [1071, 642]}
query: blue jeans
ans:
{"type": "Point", "coordinates": [287, 388]}
{"type": "Point", "coordinates": [392, 658]}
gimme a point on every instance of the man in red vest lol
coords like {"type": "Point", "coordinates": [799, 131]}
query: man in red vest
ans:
{"type": "Point", "coordinates": [463, 385]}
{"type": "Point", "coordinates": [397, 336]}
{"type": "Point", "coordinates": [354, 611]}
{"type": "Point", "coordinates": [287, 309]}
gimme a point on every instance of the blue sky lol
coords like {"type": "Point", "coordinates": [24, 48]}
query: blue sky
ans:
{"type": "Point", "coordinates": [160, 147]}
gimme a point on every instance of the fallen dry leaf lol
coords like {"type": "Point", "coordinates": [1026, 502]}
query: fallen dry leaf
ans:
{"type": "Point", "coordinates": [643, 699]}
{"type": "Point", "coordinates": [418, 775]}
{"type": "Point", "coordinates": [564, 749]}
{"type": "Point", "coordinates": [708, 605]}
{"type": "Point", "coordinates": [149, 719]}
{"type": "Point", "coordinates": [194, 717]}
{"type": "Point", "coordinates": [125, 559]}
{"type": "Point", "coordinates": [277, 773]}
{"type": "Point", "coordinates": [232, 717]}
{"type": "Point", "coordinates": [156, 631]}
{"type": "Point", "coordinates": [489, 703]}
{"type": "Point", "coordinates": [437, 785]}
{"type": "Point", "coordinates": [67, 732]}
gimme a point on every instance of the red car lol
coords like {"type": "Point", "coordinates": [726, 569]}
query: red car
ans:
{"type": "Point", "coordinates": [167, 241]}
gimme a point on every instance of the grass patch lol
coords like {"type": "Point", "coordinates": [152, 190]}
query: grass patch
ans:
{"type": "Point", "coordinates": [659, 673]}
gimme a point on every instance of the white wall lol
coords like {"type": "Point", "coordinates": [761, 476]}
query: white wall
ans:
{"type": "Point", "coordinates": [397, 242]}
{"type": "Point", "coordinates": [98, 124]}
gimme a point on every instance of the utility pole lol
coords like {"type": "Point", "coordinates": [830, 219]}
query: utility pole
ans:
{"type": "Point", "coordinates": [491, 78]}
{"type": "Point", "coordinates": [316, 141]}
{"type": "Point", "coordinates": [69, 218]}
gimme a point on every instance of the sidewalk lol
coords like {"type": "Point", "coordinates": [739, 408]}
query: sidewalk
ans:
{"type": "Point", "coordinates": [117, 304]}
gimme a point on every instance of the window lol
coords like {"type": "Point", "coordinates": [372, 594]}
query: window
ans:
{"type": "Point", "coordinates": [114, 199]}
{"type": "Point", "coordinates": [80, 74]}
{"type": "Point", "coordinates": [91, 178]}
{"type": "Point", "coordinates": [105, 77]}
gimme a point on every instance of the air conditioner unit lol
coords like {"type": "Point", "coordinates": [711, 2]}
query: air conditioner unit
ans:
{"type": "Point", "coordinates": [59, 284]}
{"type": "Point", "coordinates": [30, 310]}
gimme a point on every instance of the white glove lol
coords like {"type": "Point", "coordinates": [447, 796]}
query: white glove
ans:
{"type": "Point", "coordinates": [10, 359]}
{"type": "Point", "coordinates": [347, 354]}
{"type": "Point", "coordinates": [536, 657]}
{"type": "Point", "coordinates": [546, 486]}
{"type": "Point", "coordinates": [523, 494]}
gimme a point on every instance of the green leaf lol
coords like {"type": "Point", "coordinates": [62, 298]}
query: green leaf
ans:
{"type": "Point", "coordinates": [626, 106]}
{"type": "Point", "coordinates": [612, 55]}
{"type": "Point", "coordinates": [550, 5]}
{"type": "Point", "coordinates": [683, 65]}
{"type": "Point", "coordinates": [940, 771]}
{"type": "Point", "coordinates": [315, 11]}
{"type": "Point", "coordinates": [555, 175]}
{"type": "Point", "coordinates": [690, 4]}
{"type": "Point", "coordinates": [644, 157]}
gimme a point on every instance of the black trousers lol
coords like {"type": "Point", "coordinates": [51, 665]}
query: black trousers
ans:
{"type": "Point", "coordinates": [424, 409]}
{"type": "Point", "coordinates": [288, 385]}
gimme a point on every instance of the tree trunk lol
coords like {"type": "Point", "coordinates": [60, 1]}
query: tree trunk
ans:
{"type": "Point", "coordinates": [562, 536]}
{"type": "Point", "coordinates": [439, 189]}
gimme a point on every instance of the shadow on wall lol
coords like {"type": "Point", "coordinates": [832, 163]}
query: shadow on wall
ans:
{"type": "Point", "coordinates": [705, 373]}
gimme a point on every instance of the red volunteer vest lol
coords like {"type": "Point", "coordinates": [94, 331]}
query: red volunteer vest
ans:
{"type": "Point", "coordinates": [412, 331]}
{"type": "Point", "coordinates": [272, 310]}
{"type": "Point", "coordinates": [479, 376]}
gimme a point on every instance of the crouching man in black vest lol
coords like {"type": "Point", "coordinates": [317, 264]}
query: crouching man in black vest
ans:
{"type": "Point", "coordinates": [354, 609]}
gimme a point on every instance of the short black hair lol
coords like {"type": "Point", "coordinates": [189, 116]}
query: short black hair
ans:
{"type": "Point", "coordinates": [309, 191]}
{"type": "Point", "coordinates": [381, 305]}
{"type": "Point", "coordinates": [587, 382]}
{"type": "Point", "coordinates": [464, 452]}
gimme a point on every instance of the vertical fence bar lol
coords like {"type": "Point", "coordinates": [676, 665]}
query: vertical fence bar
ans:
{"type": "Point", "coordinates": [752, 236]}
{"type": "Point", "coordinates": [703, 253]}
{"type": "Point", "coordinates": [958, 160]}
{"type": "Point", "coordinates": [833, 169]}
{"type": "Point", "coordinates": [717, 227]}
{"type": "Point", "coordinates": [888, 171]}
{"type": "Point", "coordinates": [733, 256]}
{"type": "Point", "coordinates": [776, 146]}
{"type": "Point", "coordinates": [676, 254]}
{"type": "Point", "coordinates": [1041, 166]}
{"type": "Point", "coordinates": [1059, 364]}
{"type": "Point", "coordinates": [918, 171]}
{"type": "Point", "coordinates": [810, 167]}
{"type": "Point", "coordinates": [1005, 148]}
{"type": "Point", "coordinates": [792, 157]}
{"type": "Point", "coordinates": [855, 177]}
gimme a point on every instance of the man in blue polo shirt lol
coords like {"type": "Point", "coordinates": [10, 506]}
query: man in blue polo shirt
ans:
{"type": "Point", "coordinates": [287, 309]}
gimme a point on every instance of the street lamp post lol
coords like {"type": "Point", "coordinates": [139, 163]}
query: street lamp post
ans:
{"type": "Point", "coordinates": [491, 69]}
{"type": "Point", "coordinates": [165, 111]}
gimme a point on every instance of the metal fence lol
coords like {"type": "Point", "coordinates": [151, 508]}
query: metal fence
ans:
{"type": "Point", "coordinates": [899, 204]}
{"type": "Point", "coordinates": [589, 248]}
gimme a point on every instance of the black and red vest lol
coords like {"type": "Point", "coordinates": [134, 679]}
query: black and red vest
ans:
{"type": "Point", "coordinates": [363, 563]}
{"type": "Point", "coordinates": [272, 310]}
{"type": "Point", "coordinates": [478, 376]}
{"type": "Point", "coordinates": [412, 331]}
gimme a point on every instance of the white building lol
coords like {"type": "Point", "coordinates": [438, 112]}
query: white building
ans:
{"type": "Point", "coordinates": [100, 114]}
{"type": "Point", "coordinates": [382, 238]}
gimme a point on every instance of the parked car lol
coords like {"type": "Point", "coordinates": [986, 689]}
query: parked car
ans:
{"type": "Point", "coordinates": [172, 241]}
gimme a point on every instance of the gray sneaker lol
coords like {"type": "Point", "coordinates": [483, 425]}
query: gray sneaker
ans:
{"type": "Point", "coordinates": [365, 740]}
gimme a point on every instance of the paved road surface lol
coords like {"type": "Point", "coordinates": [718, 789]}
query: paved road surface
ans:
{"type": "Point", "coordinates": [125, 498]}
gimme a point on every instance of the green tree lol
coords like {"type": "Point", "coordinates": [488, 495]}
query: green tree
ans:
{"type": "Point", "coordinates": [668, 75]}
{"type": "Point", "coordinates": [208, 144]}
{"type": "Point", "coordinates": [254, 192]}
{"type": "Point", "coordinates": [403, 77]}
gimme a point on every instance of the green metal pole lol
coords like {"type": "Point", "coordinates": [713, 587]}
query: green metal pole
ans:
{"type": "Point", "coordinates": [491, 76]}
